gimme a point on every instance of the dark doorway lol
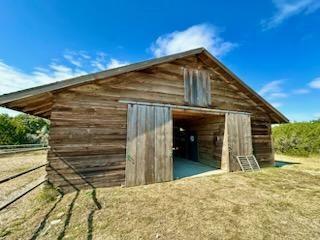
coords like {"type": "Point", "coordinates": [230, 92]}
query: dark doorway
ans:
{"type": "Point", "coordinates": [194, 144]}
{"type": "Point", "coordinates": [185, 143]}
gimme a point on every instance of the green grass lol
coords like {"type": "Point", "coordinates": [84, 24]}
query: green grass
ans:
{"type": "Point", "coordinates": [276, 203]}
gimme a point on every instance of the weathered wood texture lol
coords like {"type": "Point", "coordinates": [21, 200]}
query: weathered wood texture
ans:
{"type": "Point", "coordinates": [89, 126]}
{"type": "Point", "coordinates": [197, 87]}
{"type": "Point", "coordinates": [149, 145]}
{"type": "Point", "coordinates": [238, 140]}
{"type": "Point", "coordinates": [40, 105]}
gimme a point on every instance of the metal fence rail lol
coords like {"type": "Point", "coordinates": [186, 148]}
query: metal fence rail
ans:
{"type": "Point", "coordinates": [19, 194]}
{"type": "Point", "coordinates": [21, 173]}
{"type": "Point", "coordinates": [22, 146]}
{"type": "Point", "coordinates": [5, 149]}
{"type": "Point", "coordinates": [26, 189]}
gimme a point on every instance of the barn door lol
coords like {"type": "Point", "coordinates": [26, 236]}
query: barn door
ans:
{"type": "Point", "coordinates": [149, 145]}
{"type": "Point", "coordinates": [237, 140]}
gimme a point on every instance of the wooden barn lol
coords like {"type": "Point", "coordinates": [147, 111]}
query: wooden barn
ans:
{"type": "Point", "coordinates": [128, 126]}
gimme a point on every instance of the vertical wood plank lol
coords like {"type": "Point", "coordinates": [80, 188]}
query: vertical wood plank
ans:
{"type": "Point", "coordinates": [194, 88]}
{"type": "Point", "coordinates": [131, 149]}
{"type": "Point", "coordinates": [191, 95]}
{"type": "Point", "coordinates": [168, 164]}
{"type": "Point", "coordinates": [186, 80]}
{"type": "Point", "coordinates": [150, 145]}
{"type": "Point", "coordinates": [208, 89]}
{"type": "Point", "coordinates": [201, 90]}
{"type": "Point", "coordinates": [204, 88]}
{"type": "Point", "coordinates": [141, 146]}
{"type": "Point", "coordinates": [249, 131]}
{"type": "Point", "coordinates": [225, 158]}
{"type": "Point", "coordinates": [158, 144]}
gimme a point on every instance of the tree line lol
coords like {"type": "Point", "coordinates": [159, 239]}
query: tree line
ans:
{"type": "Point", "coordinates": [23, 129]}
{"type": "Point", "coordinates": [299, 138]}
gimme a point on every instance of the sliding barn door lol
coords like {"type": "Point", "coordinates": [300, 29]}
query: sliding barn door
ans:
{"type": "Point", "coordinates": [149, 145]}
{"type": "Point", "coordinates": [237, 140]}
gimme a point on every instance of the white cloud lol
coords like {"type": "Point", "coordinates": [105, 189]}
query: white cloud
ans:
{"type": "Point", "coordinates": [100, 63]}
{"type": "Point", "coordinates": [301, 91]}
{"type": "Point", "coordinates": [202, 35]}
{"type": "Point", "coordinates": [271, 87]}
{"type": "Point", "coordinates": [276, 104]}
{"type": "Point", "coordinates": [73, 60]}
{"type": "Point", "coordinates": [114, 63]}
{"type": "Point", "coordinates": [315, 83]}
{"type": "Point", "coordinates": [13, 79]}
{"type": "Point", "coordinates": [74, 64]}
{"type": "Point", "coordinates": [278, 95]}
{"type": "Point", "coordinates": [289, 8]}
{"type": "Point", "coordinates": [273, 91]}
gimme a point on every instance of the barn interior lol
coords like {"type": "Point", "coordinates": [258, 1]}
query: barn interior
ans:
{"type": "Point", "coordinates": [197, 143]}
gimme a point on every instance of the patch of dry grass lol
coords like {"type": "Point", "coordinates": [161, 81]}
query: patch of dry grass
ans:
{"type": "Point", "coordinates": [276, 203]}
{"type": "Point", "coordinates": [12, 164]}
{"type": "Point", "coordinates": [19, 162]}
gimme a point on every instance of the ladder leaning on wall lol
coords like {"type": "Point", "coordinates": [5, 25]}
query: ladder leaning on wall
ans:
{"type": "Point", "coordinates": [247, 163]}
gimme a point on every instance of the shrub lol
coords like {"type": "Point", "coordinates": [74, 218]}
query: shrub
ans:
{"type": "Point", "coordinates": [301, 139]}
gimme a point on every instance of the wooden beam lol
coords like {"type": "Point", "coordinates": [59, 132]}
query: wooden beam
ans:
{"type": "Point", "coordinates": [186, 108]}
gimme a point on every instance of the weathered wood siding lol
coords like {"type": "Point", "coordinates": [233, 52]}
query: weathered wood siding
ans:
{"type": "Point", "coordinates": [87, 139]}
{"type": "Point", "coordinates": [149, 145]}
{"type": "Point", "coordinates": [89, 125]}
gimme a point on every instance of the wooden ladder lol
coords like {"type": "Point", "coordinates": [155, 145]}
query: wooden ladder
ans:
{"type": "Point", "coordinates": [248, 163]}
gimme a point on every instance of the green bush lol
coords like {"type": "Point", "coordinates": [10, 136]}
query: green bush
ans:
{"type": "Point", "coordinates": [300, 139]}
{"type": "Point", "coordinates": [23, 129]}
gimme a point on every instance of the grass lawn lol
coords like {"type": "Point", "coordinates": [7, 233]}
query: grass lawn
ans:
{"type": "Point", "coordinates": [12, 164]}
{"type": "Point", "coordinates": [276, 203]}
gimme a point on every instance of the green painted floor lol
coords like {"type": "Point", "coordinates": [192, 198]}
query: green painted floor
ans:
{"type": "Point", "coordinates": [185, 168]}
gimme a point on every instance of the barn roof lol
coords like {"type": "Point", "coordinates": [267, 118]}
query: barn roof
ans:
{"type": "Point", "coordinates": [38, 100]}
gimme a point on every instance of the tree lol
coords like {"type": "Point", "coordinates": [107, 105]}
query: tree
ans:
{"type": "Point", "coordinates": [23, 129]}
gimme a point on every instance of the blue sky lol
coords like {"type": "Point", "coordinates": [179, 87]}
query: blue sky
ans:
{"type": "Point", "coordinates": [273, 45]}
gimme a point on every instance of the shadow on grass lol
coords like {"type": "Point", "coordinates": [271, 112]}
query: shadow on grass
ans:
{"type": "Point", "coordinates": [69, 214]}
{"type": "Point", "coordinates": [44, 221]}
{"type": "Point", "coordinates": [91, 214]}
{"type": "Point", "coordinates": [280, 163]}
{"type": "Point", "coordinates": [71, 205]}
{"type": "Point", "coordinates": [93, 196]}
